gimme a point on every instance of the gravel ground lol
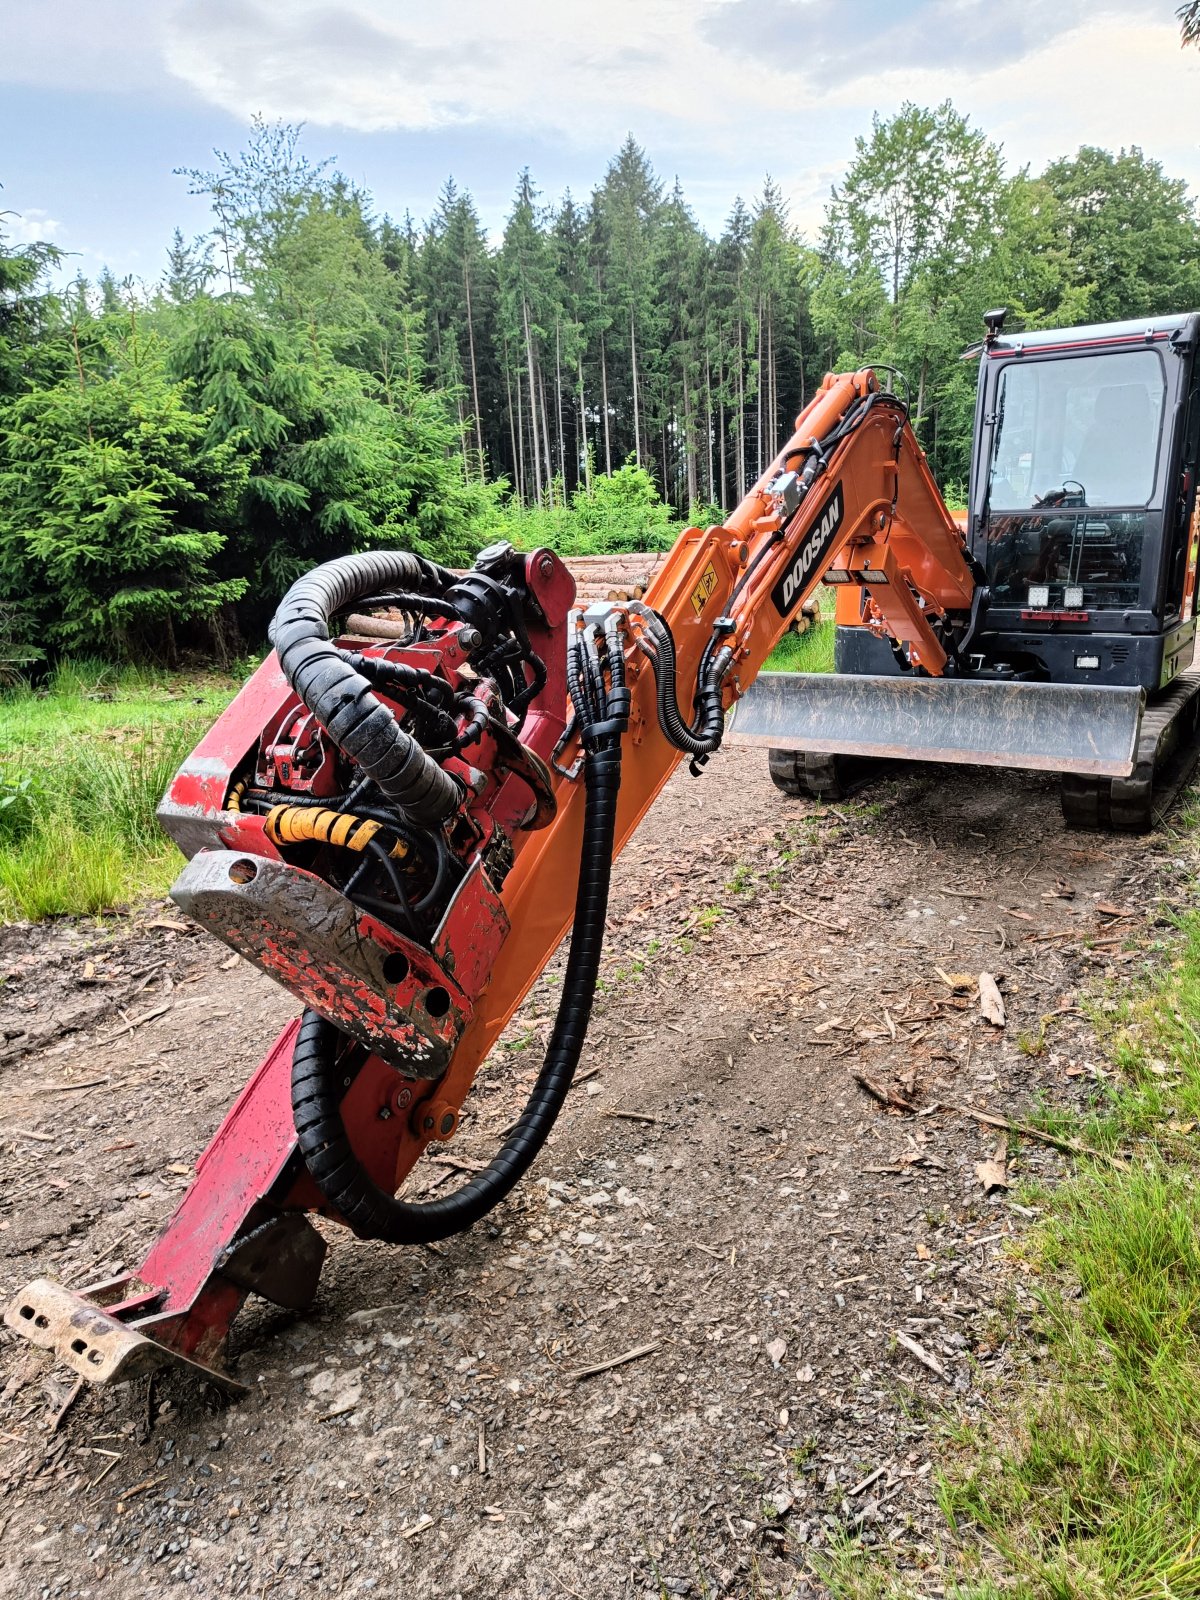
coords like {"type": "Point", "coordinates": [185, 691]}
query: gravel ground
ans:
{"type": "Point", "coordinates": [811, 1266]}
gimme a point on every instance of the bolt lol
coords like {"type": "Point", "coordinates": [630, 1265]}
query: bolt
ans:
{"type": "Point", "coordinates": [402, 1098]}
{"type": "Point", "coordinates": [546, 565]}
{"type": "Point", "coordinates": [427, 1124]}
{"type": "Point", "coordinates": [448, 1123]}
{"type": "Point", "coordinates": [384, 1113]}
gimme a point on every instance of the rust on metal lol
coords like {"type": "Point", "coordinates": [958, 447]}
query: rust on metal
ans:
{"type": "Point", "coordinates": [376, 985]}
{"type": "Point", "coordinates": [94, 1344]}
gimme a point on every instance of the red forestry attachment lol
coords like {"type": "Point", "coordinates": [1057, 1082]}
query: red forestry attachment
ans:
{"type": "Point", "coordinates": [350, 823]}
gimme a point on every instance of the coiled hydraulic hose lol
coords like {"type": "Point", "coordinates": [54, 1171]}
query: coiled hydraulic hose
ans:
{"type": "Point", "coordinates": [317, 1085]}
{"type": "Point", "coordinates": [703, 736]}
{"type": "Point", "coordinates": [340, 697]}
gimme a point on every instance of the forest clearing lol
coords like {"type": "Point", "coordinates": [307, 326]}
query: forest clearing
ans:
{"type": "Point", "coordinates": [428, 1411]}
{"type": "Point", "coordinates": [498, 1097]}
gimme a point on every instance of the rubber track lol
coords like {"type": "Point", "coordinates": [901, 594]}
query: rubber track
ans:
{"type": "Point", "coordinates": [1167, 751]}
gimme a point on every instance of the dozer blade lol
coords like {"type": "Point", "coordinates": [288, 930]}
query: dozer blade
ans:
{"type": "Point", "coordinates": [1054, 727]}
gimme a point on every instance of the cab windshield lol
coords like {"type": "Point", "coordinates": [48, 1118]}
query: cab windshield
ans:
{"type": "Point", "coordinates": [1085, 428]}
{"type": "Point", "coordinates": [1073, 461]}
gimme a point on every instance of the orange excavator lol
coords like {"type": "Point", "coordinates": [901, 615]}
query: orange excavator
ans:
{"type": "Point", "coordinates": [423, 788]}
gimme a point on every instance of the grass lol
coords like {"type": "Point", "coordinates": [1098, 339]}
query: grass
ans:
{"type": "Point", "coordinates": [804, 652]}
{"type": "Point", "coordinates": [84, 762]}
{"type": "Point", "coordinates": [1091, 1485]}
{"type": "Point", "coordinates": [807, 652]}
{"type": "Point", "coordinates": [1082, 1482]}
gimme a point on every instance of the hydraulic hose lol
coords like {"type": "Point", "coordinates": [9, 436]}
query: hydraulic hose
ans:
{"type": "Point", "coordinates": [702, 736]}
{"type": "Point", "coordinates": [317, 1085]}
{"type": "Point", "coordinates": [340, 697]}
{"type": "Point", "coordinates": [288, 824]}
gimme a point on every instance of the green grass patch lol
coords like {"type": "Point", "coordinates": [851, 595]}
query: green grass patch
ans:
{"type": "Point", "coordinates": [1089, 1485]}
{"type": "Point", "coordinates": [1083, 1480]}
{"type": "Point", "coordinates": [811, 651]}
{"type": "Point", "coordinates": [84, 762]}
{"type": "Point", "coordinates": [804, 652]}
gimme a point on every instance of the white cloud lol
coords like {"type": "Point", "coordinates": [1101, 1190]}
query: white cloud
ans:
{"type": "Point", "coordinates": [761, 84]}
{"type": "Point", "coordinates": [564, 65]}
{"type": "Point", "coordinates": [721, 90]}
{"type": "Point", "coordinates": [82, 44]}
{"type": "Point", "coordinates": [30, 227]}
{"type": "Point", "coordinates": [833, 44]}
{"type": "Point", "coordinates": [1104, 83]}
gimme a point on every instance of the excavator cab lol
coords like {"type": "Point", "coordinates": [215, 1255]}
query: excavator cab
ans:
{"type": "Point", "coordinates": [1082, 529]}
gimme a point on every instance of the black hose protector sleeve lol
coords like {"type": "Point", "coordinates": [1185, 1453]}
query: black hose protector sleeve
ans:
{"type": "Point", "coordinates": [704, 736]}
{"type": "Point", "coordinates": [399, 675]}
{"type": "Point", "coordinates": [340, 698]}
{"type": "Point", "coordinates": [317, 1087]}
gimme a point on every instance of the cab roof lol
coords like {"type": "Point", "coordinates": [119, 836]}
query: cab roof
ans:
{"type": "Point", "coordinates": [1178, 328]}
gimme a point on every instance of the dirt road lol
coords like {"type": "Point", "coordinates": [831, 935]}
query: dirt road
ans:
{"type": "Point", "coordinates": [814, 1274]}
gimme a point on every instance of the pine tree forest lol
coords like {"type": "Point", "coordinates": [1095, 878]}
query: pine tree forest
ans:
{"type": "Point", "coordinates": [310, 376]}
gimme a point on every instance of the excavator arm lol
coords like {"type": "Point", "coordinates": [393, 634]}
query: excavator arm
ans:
{"type": "Point", "coordinates": [414, 800]}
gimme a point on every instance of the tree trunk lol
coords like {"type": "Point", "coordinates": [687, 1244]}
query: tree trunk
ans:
{"type": "Point", "coordinates": [604, 404]}
{"type": "Point", "coordinates": [723, 442]}
{"type": "Point", "coordinates": [474, 371]}
{"type": "Point", "coordinates": [562, 449]}
{"type": "Point", "coordinates": [520, 442]}
{"type": "Point", "coordinates": [637, 428]}
{"type": "Point", "coordinates": [741, 416]}
{"type": "Point", "coordinates": [533, 419]}
{"type": "Point", "coordinates": [709, 490]}
{"type": "Point", "coordinates": [774, 380]}
{"type": "Point", "coordinates": [689, 448]}
{"type": "Point", "coordinates": [546, 435]}
{"type": "Point", "coordinates": [800, 354]}
{"type": "Point", "coordinates": [583, 438]}
{"type": "Point", "coordinates": [759, 395]}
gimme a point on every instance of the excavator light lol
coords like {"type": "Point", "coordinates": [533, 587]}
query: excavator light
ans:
{"type": "Point", "coordinates": [840, 575]}
{"type": "Point", "coordinates": [1073, 597]}
{"type": "Point", "coordinates": [1039, 594]}
{"type": "Point", "coordinates": [1087, 663]}
{"type": "Point", "coordinates": [870, 575]}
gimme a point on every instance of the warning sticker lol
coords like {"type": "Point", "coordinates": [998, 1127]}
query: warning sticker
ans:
{"type": "Point", "coordinates": [705, 589]}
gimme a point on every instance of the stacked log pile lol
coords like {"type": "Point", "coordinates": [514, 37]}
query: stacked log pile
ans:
{"type": "Point", "coordinates": [627, 577]}
{"type": "Point", "coordinates": [613, 577]}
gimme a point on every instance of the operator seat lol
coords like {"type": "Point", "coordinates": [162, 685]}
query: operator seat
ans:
{"type": "Point", "coordinates": [1116, 460]}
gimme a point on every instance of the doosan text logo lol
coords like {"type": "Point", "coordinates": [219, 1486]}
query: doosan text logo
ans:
{"type": "Point", "coordinates": [790, 586]}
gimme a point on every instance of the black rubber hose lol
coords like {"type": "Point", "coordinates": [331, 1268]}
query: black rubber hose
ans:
{"type": "Point", "coordinates": [342, 699]}
{"type": "Point", "coordinates": [311, 802]}
{"type": "Point", "coordinates": [317, 1086]}
{"type": "Point", "coordinates": [703, 736]}
{"type": "Point", "coordinates": [421, 605]}
{"type": "Point", "coordinates": [399, 675]}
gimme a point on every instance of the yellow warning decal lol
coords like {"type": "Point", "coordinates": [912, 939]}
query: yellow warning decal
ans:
{"type": "Point", "coordinates": [705, 589]}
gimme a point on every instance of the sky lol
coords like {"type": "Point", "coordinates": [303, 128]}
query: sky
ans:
{"type": "Point", "coordinates": [101, 99]}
